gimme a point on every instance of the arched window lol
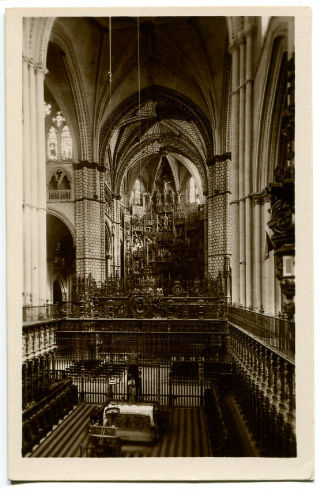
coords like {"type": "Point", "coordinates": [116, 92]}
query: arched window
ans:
{"type": "Point", "coordinates": [192, 190]}
{"type": "Point", "coordinates": [52, 144]}
{"type": "Point", "coordinates": [59, 141]}
{"type": "Point", "coordinates": [197, 195]}
{"type": "Point", "coordinates": [65, 184]}
{"type": "Point", "coordinates": [136, 194]}
{"type": "Point", "coordinates": [66, 144]}
{"type": "Point", "coordinates": [53, 184]}
{"type": "Point", "coordinates": [194, 194]}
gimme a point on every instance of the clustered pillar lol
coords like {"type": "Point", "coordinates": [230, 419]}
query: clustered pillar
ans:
{"type": "Point", "coordinates": [241, 184]}
{"type": "Point", "coordinates": [257, 255]}
{"type": "Point", "coordinates": [116, 233]}
{"type": "Point", "coordinates": [235, 177]}
{"type": "Point", "coordinates": [34, 184]}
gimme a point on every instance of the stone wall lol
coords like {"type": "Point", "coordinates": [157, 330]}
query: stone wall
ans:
{"type": "Point", "coordinates": [90, 233]}
{"type": "Point", "coordinates": [219, 216]}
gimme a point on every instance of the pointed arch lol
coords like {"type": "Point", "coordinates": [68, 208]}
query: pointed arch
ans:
{"type": "Point", "coordinates": [60, 215]}
{"type": "Point", "coordinates": [178, 103]}
{"type": "Point", "coordinates": [36, 33]}
{"type": "Point", "coordinates": [270, 113]}
{"type": "Point", "coordinates": [61, 39]}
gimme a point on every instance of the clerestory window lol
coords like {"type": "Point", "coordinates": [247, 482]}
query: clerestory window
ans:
{"type": "Point", "coordinates": [59, 141]}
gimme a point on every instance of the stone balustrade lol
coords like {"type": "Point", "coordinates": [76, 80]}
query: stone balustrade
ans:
{"type": "Point", "coordinates": [264, 387]}
{"type": "Point", "coordinates": [38, 339]}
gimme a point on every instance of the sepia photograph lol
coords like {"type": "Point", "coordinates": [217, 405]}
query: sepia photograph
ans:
{"type": "Point", "coordinates": [157, 240]}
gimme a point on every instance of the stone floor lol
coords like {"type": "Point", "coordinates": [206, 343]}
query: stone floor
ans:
{"type": "Point", "coordinates": [185, 436]}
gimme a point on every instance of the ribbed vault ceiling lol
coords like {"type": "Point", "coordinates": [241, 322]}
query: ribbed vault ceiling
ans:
{"type": "Point", "coordinates": [182, 79]}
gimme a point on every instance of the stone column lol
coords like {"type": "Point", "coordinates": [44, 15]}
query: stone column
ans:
{"type": "Point", "coordinates": [235, 176]}
{"type": "Point", "coordinates": [34, 185]}
{"type": "Point", "coordinates": [227, 230]}
{"type": "Point", "coordinates": [257, 254]}
{"type": "Point", "coordinates": [210, 224]}
{"type": "Point", "coordinates": [116, 262]}
{"type": "Point", "coordinates": [241, 122]}
{"type": "Point", "coordinates": [205, 239]}
{"type": "Point", "coordinates": [267, 266]}
{"type": "Point", "coordinates": [262, 247]}
{"type": "Point", "coordinates": [247, 169]}
{"type": "Point", "coordinates": [90, 210]}
{"type": "Point", "coordinates": [277, 296]}
{"type": "Point", "coordinates": [42, 202]}
{"type": "Point", "coordinates": [26, 187]}
{"type": "Point", "coordinates": [218, 214]}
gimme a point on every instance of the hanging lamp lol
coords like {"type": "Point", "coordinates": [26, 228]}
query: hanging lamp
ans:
{"type": "Point", "coordinates": [139, 99]}
{"type": "Point", "coordinates": [110, 72]}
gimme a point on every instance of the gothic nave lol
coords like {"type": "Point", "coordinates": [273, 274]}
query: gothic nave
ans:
{"type": "Point", "coordinates": [158, 236]}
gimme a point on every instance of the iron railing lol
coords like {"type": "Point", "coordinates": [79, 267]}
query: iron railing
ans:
{"type": "Point", "coordinates": [140, 346]}
{"type": "Point", "coordinates": [41, 313]}
{"type": "Point", "coordinates": [276, 332]}
{"type": "Point", "coordinates": [133, 306]}
{"type": "Point", "coordinates": [143, 325]}
{"type": "Point", "coordinates": [84, 287]}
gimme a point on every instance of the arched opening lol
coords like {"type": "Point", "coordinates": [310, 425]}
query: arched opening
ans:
{"type": "Point", "coordinates": [193, 191]}
{"type": "Point", "coordinates": [66, 144]}
{"type": "Point", "coordinates": [60, 259]}
{"type": "Point", "coordinates": [136, 196]}
{"type": "Point", "coordinates": [57, 292]}
{"type": "Point", "coordinates": [108, 249]}
{"type": "Point", "coordinates": [52, 142]}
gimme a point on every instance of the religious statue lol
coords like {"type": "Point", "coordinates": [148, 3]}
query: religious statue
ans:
{"type": "Point", "coordinates": [170, 198]}
{"type": "Point", "coordinates": [165, 222]}
{"type": "Point", "coordinates": [147, 200]}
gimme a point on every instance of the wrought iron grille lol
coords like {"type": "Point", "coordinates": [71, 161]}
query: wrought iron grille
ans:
{"type": "Point", "coordinates": [170, 365]}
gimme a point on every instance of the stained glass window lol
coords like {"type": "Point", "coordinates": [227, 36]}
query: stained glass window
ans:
{"type": "Point", "coordinates": [136, 194]}
{"type": "Point", "coordinates": [66, 144]}
{"type": "Point", "coordinates": [52, 144]}
{"type": "Point", "coordinates": [192, 190]}
{"type": "Point", "coordinates": [59, 142]}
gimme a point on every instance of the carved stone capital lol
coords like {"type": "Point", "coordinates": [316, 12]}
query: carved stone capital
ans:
{"type": "Point", "coordinates": [36, 65]}
{"type": "Point", "coordinates": [27, 59]}
{"type": "Point", "coordinates": [233, 46]}
{"type": "Point", "coordinates": [241, 38]}
{"type": "Point", "coordinates": [89, 164]}
{"type": "Point", "coordinates": [249, 30]}
{"type": "Point", "coordinates": [257, 198]}
{"type": "Point", "coordinates": [40, 68]}
{"type": "Point", "coordinates": [219, 158]}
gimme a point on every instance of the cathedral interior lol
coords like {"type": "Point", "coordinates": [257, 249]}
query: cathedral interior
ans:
{"type": "Point", "coordinates": [158, 236]}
